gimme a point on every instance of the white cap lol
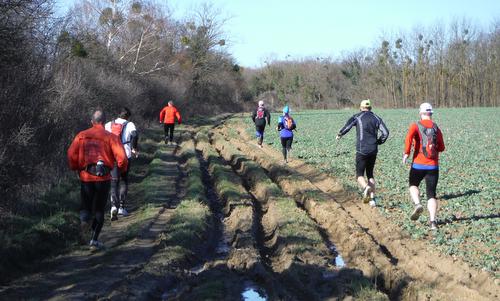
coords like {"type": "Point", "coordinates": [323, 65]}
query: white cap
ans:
{"type": "Point", "coordinates": [426, 108]}
{"type": "Point", "coordinates": [261, 103]}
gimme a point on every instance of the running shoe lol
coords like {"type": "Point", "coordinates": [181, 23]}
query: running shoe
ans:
{"type": "Point", "coordinates": [416, 212]}
{"type": "Point", "coordinates": [366, 194]}
{"type": "Point", "coordinates": [114, 213]}
{"type": "Point", "coordinates": [95, 244]}
{"type": "Point", "coordinates": [433, 225]}
{"type": "Point", "coordinates": [372, 203]}
{"type": "Point", "coordinates": [122, 211]}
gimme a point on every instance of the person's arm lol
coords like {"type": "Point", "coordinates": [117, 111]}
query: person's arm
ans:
{"type": "Point", "coordinates": [268, 116]}
{"type": "Point", "coordinates": [385, 133]}
{"type": "Point", "coordinates": [294, 125]}
{"type": "Point", "coordinates": [162, 115]}
{"type": "Point", "coordinates": [73, 154]}
{"type": "Point", "coordinates": [119, 153]}
{"type": "Point", "coordinates": [280, 124]}
{"type": "Point", "coordinates": [440, 141]}
{"type": "Point", "coordinates": [178, 116]}
{"type": "Point", "coordinates": [347, 127]}
{"type": "Point", "coordinates": [254, 114]}
{"type": "Point", "coordinates": [409, 141]}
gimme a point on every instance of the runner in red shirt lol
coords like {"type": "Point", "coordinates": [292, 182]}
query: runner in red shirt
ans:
{"type": "Point", "coordinates": [427, 141]}
{"type": "Point", "coordinates": [167, 116]}
{"type": "Point", "coordinates": [93, 154]}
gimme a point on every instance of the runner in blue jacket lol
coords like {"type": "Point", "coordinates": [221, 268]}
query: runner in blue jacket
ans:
{"type": "Point", "coordinates": [286, 125]}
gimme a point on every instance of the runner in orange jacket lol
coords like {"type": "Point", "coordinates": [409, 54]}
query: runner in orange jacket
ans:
{"type": "Point", "coordinates": [427, 141]}
{"type": "Point", "coordinates": [93, 154]}
{"type": "Point", "coordinates": [167, 116]}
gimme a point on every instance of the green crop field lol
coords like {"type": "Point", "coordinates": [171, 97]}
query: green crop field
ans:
{"type": "Point", "coordinates": [469, 184]}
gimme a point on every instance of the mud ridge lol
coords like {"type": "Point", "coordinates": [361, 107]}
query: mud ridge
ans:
{"type": "Point", "coordinates": [285, 261]}
{"type": "Point", "coordinates": [438, 274]}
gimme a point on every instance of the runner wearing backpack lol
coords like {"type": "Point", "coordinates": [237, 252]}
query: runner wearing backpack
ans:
{"type": "Point", "coordinates": [427, 141]}
{"type": "Point", "coordinates": [286, 125]}
{"type": "Point", "coordinates": [367, 126]}
{"type": "Point", "coordinates": [93, 153]}
{"type": "Point", "coordinates": [260, 117]}
{"type": "Point", "coordinates": [127, 133]}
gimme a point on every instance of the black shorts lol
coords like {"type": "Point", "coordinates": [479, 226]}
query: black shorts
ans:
{"type": "Point", "coordinates": [287, 142]}
{"type": "Point", "coordinates": [431, 180]}
{"type": "Point", "coordinates": [365, 163]}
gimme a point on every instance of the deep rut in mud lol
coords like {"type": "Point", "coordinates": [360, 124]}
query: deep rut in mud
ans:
{"type": "Point", "coordinates": [422, 272]}
{"type": "Point", "coordinates": [272, 216]}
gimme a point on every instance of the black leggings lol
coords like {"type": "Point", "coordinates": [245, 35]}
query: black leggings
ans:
{"type": "Point", "coordinates": [169, 131]}
{"type": "Point", "coordinates": [260, 130]}
{"type": "Point", "coordinates": [365, 163]}
{"type": "Point", "coordinates": [286, 143]}
{"type": "Point", "coordinates": [431, 180]}
{"type": "Point", "coordinates": [94, 196]}
{"type": "Point", "coordinates": [119, 186]}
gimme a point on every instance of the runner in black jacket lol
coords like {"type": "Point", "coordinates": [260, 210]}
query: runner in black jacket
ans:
{"type": "Point", "coordinates": [367, 127]}
{"type": "Point", "coordinates": [260, 117]}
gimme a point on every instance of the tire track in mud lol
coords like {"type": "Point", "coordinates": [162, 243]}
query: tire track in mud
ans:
{"type": "Point", "coordinates": [438, 275]}
{"type": "Point", "coordinates": [291, 255]}
{"type": "Point", "coordinates": [246, 256]}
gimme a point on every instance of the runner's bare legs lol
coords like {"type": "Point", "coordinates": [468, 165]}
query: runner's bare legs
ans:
{"type": "Point", "coordinates": [432, 206]}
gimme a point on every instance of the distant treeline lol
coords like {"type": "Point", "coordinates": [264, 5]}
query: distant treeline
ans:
{"type": "Point", "coordinates": [106, 53]}
{"type": "Point", "coordinates": [454, 66]}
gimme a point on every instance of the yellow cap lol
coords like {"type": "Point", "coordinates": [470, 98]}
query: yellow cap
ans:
{"type": "Point", "coordinates": [365, 103]}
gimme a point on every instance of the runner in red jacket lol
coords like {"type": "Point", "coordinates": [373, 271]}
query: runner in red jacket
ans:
{"type": "Point", "coordinates": [93, 154]}
{"type": "Point", "coordinates": [427, 141]}
{"type": "Point", "coordinates": [167, 116]}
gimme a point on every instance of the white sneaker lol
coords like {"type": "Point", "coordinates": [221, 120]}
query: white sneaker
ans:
{"type": "Point", "coordinates": [416, 212]}
{"type": "Point", "coordinates": [373, 203]}
{"type": "Point", "coordinates": [366, 194]}
{"type": "Point", "coordinates": [122, 211]}
{"type": "Point", "coordinates": [114, 213]}
{"type": "Point", "coordinates": [95, 244]}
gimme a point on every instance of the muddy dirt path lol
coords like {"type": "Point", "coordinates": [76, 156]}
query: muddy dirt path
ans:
{"type": "Point", "coordinates": [440, 274]}
{"type": "Point", "coordinates": [295, 248]}
{"type": "Point", "coordinates": [85, 274]}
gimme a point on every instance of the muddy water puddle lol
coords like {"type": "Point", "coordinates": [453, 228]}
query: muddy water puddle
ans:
{"type": "Point", "coordinates": [252, 292]}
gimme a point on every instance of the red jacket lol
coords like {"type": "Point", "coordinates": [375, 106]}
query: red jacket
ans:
{"type": "Point", "coordinates": [92, 145]}
{"type": "Point", "coordinates": [413, 138]}
{"type": "Point", "coordinates": [168, 115]}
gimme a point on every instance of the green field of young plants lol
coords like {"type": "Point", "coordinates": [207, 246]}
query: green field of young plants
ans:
{"type": "Point", "coordinates": [468, 188]}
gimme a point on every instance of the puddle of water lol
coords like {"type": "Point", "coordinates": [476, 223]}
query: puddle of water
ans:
{"type": "Point", "coordinates": [222, 248]}
{"type": "Point", "coordinates": [338, 261]}
{"type": "Point", "coordinates": [253, 293]}
{"type": "Point", "coordinates": [197, 269]}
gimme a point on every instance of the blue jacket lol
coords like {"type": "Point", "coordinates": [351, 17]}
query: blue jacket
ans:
{"type": "Point", "coordinates": [284, 132]}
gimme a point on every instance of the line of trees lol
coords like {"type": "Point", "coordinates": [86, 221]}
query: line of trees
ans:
{"type": "Point", "coordinates": [453, 66]}
{"type": "Point", "coordinates": [106, 53]}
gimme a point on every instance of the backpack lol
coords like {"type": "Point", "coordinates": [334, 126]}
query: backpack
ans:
{"type": "Point", "coordinates": [288, 122]}
{"type": "Point", "coordinates": [428, 143]}
{"type": "Point", "coordinates": [260, 113]}
{"type": "Point", "coordinates": [117, 129]}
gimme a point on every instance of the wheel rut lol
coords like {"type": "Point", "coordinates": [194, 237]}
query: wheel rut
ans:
{"type": "Point", "coordinates": [427, 271]}
{"type": "Point", "coordinates": [289, 254]}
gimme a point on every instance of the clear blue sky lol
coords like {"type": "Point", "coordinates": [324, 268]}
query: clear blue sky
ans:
{"type": "Point", "coordinates": [259, 29]}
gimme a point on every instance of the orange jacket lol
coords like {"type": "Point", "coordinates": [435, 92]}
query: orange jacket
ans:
{"type": "Point", "coordinates": [413, 138]}
{"type": "Point", "coordinates": [168, 115]}
{"type": "Point", "coordinates": [92, 145]}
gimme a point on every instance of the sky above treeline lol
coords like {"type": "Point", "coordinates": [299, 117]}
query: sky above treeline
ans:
{"type": "Point", "coordinates": [263, 30]}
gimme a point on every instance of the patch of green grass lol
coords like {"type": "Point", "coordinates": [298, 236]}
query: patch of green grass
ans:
{"type": "Point", "coordinates": [363, 290]}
